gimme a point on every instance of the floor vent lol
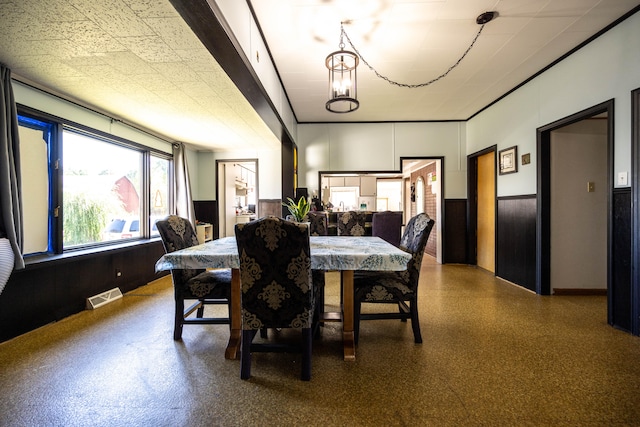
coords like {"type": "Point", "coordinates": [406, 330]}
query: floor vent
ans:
{"type": "Point", "coordinates": [103, 298]}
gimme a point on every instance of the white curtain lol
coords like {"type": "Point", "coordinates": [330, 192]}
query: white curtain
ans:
{"type": "Point", "coordinates": [10, 190]}
{"type": "Point", "coordinates": [182, 186]}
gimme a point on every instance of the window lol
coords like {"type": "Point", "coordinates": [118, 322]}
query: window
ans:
{"type": "Point", "coordinates": [160, 190]}
{"type": "Point", "coordinates": [345, 198]}
{"type": "Point", "coordinates": [101, 184]}
{"type": "Point", "coordinates": [99, 190]}
{"type": "Point", "coordinates": [35, 143]}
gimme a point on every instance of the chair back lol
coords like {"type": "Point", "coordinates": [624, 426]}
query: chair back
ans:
{"type": "Point", "coordinates": [275, 272]}
{"type": "Point", "coordinates": [414, 239]}
{"type": "Point", "coordinates": [388, 226]}
{"type": "Point", "coordinates": [318, 223]}
{"type": "Point", "coordinates": [351, 223]}
{"type": "Point", "coordinates": [178, 233]}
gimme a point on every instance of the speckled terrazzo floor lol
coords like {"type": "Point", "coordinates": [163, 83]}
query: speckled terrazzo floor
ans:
{"type": "Point", "coordinates": [493, 354]}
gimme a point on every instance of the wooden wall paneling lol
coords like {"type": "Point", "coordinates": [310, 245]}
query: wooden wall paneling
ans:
{"type": "Point", "coordinates": [27, 302]}
{"type": "Point", "coordinates": [137, 269]}
{"type": "Point", "coordinates": [51, 290]}
{"type": "Point", "coordinates": [455, 231]}
{"type": "Point", "coordinates": [268, 207]}
{"type": "Point", "coordinates": [620, 291]}
{"type": "Point", "coordinates": [75, 281]}
{"type": "Point", "coordinates": [516, 240]}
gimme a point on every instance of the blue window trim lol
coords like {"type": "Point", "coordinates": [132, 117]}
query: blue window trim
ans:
{"type": "Point", "coordinates": [52, 128]}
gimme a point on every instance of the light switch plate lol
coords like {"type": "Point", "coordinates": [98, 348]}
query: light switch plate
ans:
{"type": "Point", "coordinates": [622, 178]}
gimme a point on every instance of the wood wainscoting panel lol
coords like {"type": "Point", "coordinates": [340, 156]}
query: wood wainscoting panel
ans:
{"type": "Point", "coordinates": [50, 290]}
{"type": "Point", "coordinates": [621, 300]}
{"type": "Point", "coordinates": [516, 240]}
{"type": "Point", "coordinates": [455, 231]}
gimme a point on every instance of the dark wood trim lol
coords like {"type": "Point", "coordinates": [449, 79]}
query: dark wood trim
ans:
{"type": "Point", "coordinates": [516, 240]}
{"type": "Point", "coordinates": [543, 234]}
{"type": "Point", "coordinates": [620, 289]}
{"type": "Point", "coordinates": [289, 161]}
{"type": "Point", "coordinates": [472, 203]}
{"type": "Point", "coordinates": [51, 290]}
{"type": "Point", "coordinates": [455, 229]}
{"type": "Point", "coordinates": [208, 23]}
{"type": "Point", "coordinates": [635, 214]}
{"type": "Point", "coordinates": [579, 292]}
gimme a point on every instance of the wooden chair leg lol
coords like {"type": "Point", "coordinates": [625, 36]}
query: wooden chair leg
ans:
{"type": "Point", "coordinates": [307, 342]}
{"type": "Point", "coordinates": [200, 312]}
{"type": "Point", "coordinates": [357, 307]}
{"type": "Point", "coordinates": [245, 355]}
{"type": "Point", "coordinates": [404, 319]}
{"type": "Point", "coordinates": [415, 323]}
{"type": "Point", "coordinates": [178, 320]}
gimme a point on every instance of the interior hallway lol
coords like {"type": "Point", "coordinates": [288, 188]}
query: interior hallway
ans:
{"type": "Point", "coordinates": [493, 354]}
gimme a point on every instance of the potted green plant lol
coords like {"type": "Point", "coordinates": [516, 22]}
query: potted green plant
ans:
{"type": "Point", "coordinates": [298, 210]}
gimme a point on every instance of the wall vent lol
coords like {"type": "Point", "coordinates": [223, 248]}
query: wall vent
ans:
{"type": "Point", "coordinates": [103, 298]}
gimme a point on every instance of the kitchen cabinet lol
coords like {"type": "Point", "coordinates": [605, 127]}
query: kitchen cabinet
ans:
{"type": "Point", "coordinates": [336, 181]}
{"type": "Point", "coordinates": [368, 185]}
{"type": "Point", "coordinates": [352, 181]}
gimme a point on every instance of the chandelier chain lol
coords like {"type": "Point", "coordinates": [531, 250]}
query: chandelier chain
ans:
{"type": "Point", "coordinates": [343, 32]}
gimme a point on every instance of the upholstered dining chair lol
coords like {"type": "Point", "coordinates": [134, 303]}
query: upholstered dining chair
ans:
{"type": "Point", "coordinates": [351, 223]}
{"type": "Point", "coordinates": [318, 223]}
{"type": "Point", "coordinates": [395, 287]}
{"type": "Point", "coordinates": [278, 290]}
{"type": "Point", "coordinates": [388, 226]}
{"type": "Point", "coordinates": [203, 286]}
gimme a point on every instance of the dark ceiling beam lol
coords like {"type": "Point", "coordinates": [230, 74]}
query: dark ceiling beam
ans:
{"type": "Point", "coordinates": [208, 24]}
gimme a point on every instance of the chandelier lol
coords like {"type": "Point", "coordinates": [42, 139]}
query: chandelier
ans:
{"type": "Point", "coordinates": [343, 79]}
{"type": "Point", "coordinates": [343, 76]}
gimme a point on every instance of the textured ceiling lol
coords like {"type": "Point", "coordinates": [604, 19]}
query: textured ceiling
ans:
{"type": "Point", "coordinates": [138, 61]}
{"type": "Point", "coordinates": [415, 41]}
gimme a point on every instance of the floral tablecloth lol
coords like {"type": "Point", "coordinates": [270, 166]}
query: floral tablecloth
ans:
{"type": "Point", "coordinates": [327, 253]}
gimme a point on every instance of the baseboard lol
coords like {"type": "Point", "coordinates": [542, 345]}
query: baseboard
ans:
{"type": "Point", "coordinates": [579, 291]}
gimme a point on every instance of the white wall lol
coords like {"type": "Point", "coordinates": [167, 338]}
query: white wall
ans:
{"type": "Point", "coordinates": [578, 217]}
{"type": "Point", "coordinates": [379, 147]}
{"type": "Point", "coordinates": [606, 68]}
{"type": "Point", "coordinates": [47, 103]}
{"type": "Point", "coordinates": [269, 172]}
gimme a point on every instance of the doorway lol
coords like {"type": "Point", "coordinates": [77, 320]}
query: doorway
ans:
{"type": "Point", "coordinates": [481, 189]}
{"type": "Point", "coordinates": [424, 180]}
{"type": "Point", "coordinates": [546, 185]}
{"type": "Point", "coordinates": [578, 207]}
{"type": "Point", "coordinates": [237, 193]}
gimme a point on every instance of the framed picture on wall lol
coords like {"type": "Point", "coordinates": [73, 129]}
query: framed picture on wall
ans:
{"type": "Point", "coordinates": [508, 160]}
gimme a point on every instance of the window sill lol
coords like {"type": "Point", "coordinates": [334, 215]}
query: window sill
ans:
{"type": "Point", "coordinates": [34, 261]}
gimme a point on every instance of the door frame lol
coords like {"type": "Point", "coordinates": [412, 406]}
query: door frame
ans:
{"type": "Point", "coordinates": [543, 199]}
{"type": "Point", "coordinates": [220, 182]}
{"type": "Point", "coordinates": [440, 223]}
{"type": "Point", "coordinates": [635, 212]}
{"type": "Point", "coordinates": [472, 205]}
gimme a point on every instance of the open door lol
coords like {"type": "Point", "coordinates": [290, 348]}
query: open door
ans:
{"type": "Point", "coordinates": [481, 189]}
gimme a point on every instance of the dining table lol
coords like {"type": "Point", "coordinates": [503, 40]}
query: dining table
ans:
{"type": "Point", "coordinates": [330, 253]}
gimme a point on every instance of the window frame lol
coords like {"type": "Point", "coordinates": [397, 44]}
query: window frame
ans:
{"type": "Point", "coordinates": [56, 168]}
